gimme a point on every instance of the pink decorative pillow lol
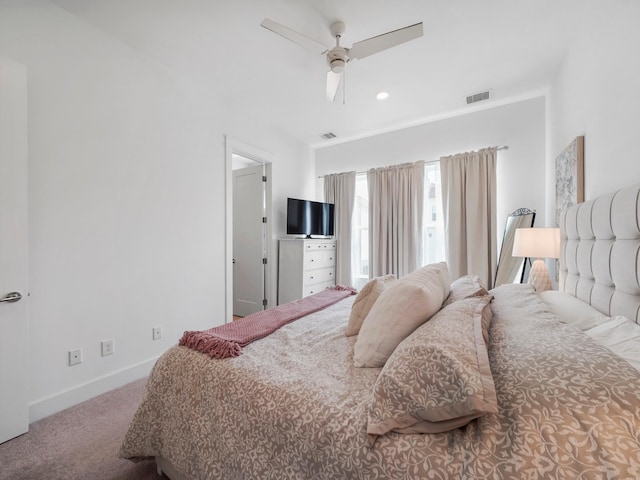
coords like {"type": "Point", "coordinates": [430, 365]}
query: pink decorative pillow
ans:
{"type": "Point", "coordinates": [438, 378]}
{"type": "Point", "coordinates": [365, 300]}
{"type": "Point", "coordinates": [402, 307]}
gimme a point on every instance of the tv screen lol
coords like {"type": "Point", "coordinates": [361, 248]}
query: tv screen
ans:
{"type": "Point", "coordinates": [305, 217]}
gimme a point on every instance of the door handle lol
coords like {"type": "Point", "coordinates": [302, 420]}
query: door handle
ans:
{"type": "Point", "coordinates": [11, 297]}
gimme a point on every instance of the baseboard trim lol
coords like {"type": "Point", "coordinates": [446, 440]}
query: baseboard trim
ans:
{"type": "Point", "coordinates": [44, 407]}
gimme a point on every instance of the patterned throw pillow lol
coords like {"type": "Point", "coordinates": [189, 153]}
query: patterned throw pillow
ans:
{"type": "Point", "coordinates": [438, 378]}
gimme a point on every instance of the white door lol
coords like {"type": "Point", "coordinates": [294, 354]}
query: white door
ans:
{"type": "Point", "coordinates": [248, 240]}
{"type": "Point", "coordinates": [14, 360]}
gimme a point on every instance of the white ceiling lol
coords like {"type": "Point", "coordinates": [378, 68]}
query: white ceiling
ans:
{"type": "Point", "coordinates": [513, 47]}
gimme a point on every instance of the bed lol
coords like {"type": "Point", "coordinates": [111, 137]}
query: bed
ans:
{"type": "Point", "coordinates": [552, 402]}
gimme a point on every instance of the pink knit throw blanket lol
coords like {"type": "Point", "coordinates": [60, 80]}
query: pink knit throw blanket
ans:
{"type": "Point", "coordinates": [227, 340]}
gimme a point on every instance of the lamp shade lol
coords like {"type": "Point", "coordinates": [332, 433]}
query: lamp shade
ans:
{"type": "Point", "coordinates": [537, 243]}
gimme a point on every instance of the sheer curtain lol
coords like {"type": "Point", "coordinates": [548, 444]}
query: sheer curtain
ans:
{"type": "Point", "coordinates": [395, 219]}
{"type": "Point", "coordinates": [469, 207]}
{"type": "Point", "coordinates": [340, 189]}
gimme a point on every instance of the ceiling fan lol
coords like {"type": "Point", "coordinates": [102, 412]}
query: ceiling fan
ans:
{"type": "Point", "coordinates": [339, 56]}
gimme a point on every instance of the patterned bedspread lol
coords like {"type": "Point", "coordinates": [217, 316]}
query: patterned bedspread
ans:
{"type": "Point", "coordinates": [293, 407]}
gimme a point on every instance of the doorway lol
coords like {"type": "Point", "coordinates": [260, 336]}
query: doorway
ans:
{"type": "Point", "coordinates": [248, 235]}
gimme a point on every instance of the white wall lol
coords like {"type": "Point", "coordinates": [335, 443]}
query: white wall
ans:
{"type": "Point", "coordinates": [126, 202]}
{"type": "Point", "coordinates": [520, 171]}
{"type": "Point", "coordinates": [596, 94]}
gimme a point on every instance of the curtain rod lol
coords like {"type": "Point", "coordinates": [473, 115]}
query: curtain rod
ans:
{"type": "Point", "coordinates": [426, 162]}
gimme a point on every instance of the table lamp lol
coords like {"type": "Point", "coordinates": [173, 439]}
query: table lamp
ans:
{"type": "Point", "coordinates": [537, 243]}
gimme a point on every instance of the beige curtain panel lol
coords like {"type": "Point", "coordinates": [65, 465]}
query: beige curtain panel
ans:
{"type": "Point", "coordinates": [395, 219]}
{"type": "Point", "coordinates": [340, 189]}
{"type": "Point", "coordinates": [469, 206]}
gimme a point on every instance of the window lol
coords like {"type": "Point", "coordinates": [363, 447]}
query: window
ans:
{"type": "Point", "coordinates": [433, 226]}
{"type": "Point", "coordinates": [432, 223]}
{"type": "Point", "coordinates": [360, 234]}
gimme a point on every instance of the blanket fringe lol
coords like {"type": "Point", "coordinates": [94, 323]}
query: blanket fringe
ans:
{"type": "Point", "coordinates": [347, 289]}
{"type": "Point", "coordinates": [213, 346]}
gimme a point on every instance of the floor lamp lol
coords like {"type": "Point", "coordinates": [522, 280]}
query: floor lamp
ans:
{"type": "Point", "coordinates": [538, 243]}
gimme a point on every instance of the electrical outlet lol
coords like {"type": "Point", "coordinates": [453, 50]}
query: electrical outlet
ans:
{"type": "Point", "coordinates": [75, 357]}
{"type": "Point", "coordinates": [107, 347]}
{"type": "Point", "coordinates": [157, 332]}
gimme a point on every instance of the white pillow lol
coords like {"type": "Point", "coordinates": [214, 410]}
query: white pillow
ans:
{"type": "Point", "coordinates": [403, 306]}
{"type": "Point", "coordinates": [621, 336]}
{"type": "Point", "coordinates": [571, 310]}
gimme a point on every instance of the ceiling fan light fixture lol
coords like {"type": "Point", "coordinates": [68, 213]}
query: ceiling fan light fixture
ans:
{"type": "Point", "coordinates": [337, 65]}
{"type": "Point", "coordinates": [382, 95]}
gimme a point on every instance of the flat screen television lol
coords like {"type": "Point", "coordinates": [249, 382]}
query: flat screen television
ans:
{"type": "Point", "coordinates": [305, 217]}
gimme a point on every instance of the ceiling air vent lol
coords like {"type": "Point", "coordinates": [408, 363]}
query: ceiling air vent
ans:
{"type": "Point", "coordinates": [478, 97]}
{"type": "Point", "coordinates": [328, 136]}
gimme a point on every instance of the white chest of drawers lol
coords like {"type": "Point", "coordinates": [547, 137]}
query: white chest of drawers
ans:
{"type": "Point", "coordinates": [306, 266]}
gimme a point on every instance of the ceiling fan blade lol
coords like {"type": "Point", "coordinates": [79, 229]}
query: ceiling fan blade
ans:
{"type": "Point", "coordinates": [333, 82]}
{"type": "Point", "coordinates": [387, 40]}
{"type": "Point", "coordinates": [308, 43]}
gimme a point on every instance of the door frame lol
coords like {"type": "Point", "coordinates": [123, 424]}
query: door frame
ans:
{"type": "Point", "coordinates": [232, 146]}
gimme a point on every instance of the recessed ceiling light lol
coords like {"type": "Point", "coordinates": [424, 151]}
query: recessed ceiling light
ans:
{"type": "Point", "coordinates": [382, 95]}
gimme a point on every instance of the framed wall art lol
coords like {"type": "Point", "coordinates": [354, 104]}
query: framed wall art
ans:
{"type": "Point", "coordinates": [570, 176]}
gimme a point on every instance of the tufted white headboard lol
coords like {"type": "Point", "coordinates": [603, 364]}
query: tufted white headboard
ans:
{"type": "Point", "coordinates": [600, 252]}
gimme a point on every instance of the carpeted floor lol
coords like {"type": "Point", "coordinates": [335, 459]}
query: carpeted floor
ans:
{"type": "Point", "coordinates": [80, 443]}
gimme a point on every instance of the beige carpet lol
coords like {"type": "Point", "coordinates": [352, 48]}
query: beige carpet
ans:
{"type": "Point", "coordinates": [80, 443]}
